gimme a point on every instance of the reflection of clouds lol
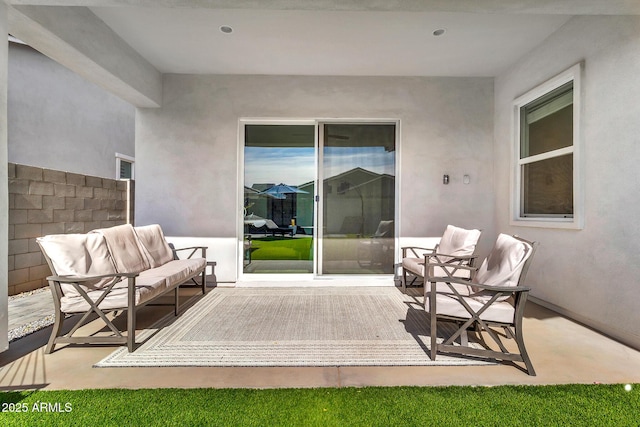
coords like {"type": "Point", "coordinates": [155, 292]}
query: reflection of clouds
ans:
{"type": "Point", "coordinates": [293, 166]}
{"type": "Point", "coordinates": [296, 166]}
{"type": "Point", "coordinates": [341, 159]}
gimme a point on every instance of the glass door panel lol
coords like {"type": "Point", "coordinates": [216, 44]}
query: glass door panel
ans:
{"type": "Point", "coordinates": [279, 191]}
{"type": "Point", "coordinates": [358, 198]}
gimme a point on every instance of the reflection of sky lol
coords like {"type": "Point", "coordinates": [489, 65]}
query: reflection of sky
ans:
{"type": "Point", "coordinates": [296, 166]}
{"type": "Point", "coordinates": [292, 166]}
{"type": "Point", "coordinates": [341, 159]}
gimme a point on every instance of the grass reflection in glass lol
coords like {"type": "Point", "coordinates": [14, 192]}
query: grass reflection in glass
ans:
{"type": "Point", "coordinates": [282, 248]}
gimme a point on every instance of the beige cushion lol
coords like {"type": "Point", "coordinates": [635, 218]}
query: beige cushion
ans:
{"type": "Point", "coordinates": [502, 267]}
{"type": "Point", "coordinates": [449, 305]}
{"type": "Point", "coordinates": [504, 264]}
{"type": "Point", "coordinates": [80, 255]}
{"type": "Point", "coordinates": [414, 265]}
{"type": "Point", "coordinates": [176, 271]}
{"type": "Point", "coordinates": [154, 245]}
{"type": "Point", "coordinates": [457, 242]}
{"type": "Point", "coordinates": [146, 289]}
{"type": "Point", "coordinates": [126, 249]}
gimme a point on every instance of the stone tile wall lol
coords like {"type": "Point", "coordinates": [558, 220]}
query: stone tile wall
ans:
{"type": "Point", "coordinates": [44, 201]}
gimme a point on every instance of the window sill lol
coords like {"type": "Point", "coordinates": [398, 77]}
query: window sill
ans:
{"type": "Point", "coordinates": [566, 224]}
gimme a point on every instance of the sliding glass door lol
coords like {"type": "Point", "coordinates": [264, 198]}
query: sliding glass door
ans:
{"type": "Point", "coordinates": [345, 225]}
{"type": "Point", "coordinates": [357, 164]}
{"type": "Point", "coordinates": [279, 190]}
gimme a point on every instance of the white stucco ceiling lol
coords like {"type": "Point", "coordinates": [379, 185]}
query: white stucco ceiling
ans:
{"type": "Point", "coordinates": [333, 37]}
{"type": "Point", "coordinates": [321, 42]}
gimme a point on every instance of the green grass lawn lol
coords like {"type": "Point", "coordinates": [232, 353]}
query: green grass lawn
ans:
{"type": "Point", "coordinates": [566, 405]}
{"type": "Point", "coordinates": [282, 248]}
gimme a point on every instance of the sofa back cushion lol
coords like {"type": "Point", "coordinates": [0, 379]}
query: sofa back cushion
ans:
{"type": "Point", "coordinates": [126, 250]}
{"type": "Point", "coordinates": [154, 245]}
{"type": "Point", "coordinates": [78, 255]}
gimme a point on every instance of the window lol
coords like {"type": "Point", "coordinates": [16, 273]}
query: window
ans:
{"type": "Point", "coordinates": [547, 190]}
{"type": "Point", "coordinates": [124, 166]}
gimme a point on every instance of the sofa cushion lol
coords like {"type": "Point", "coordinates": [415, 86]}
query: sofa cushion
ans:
{"type": "Point", "coordinates": [154, 245]}
{"type": "Point", "coordinates": [79, 255]}
{"type": "Point", "coordinates": [126, 249]}
{"type": "Point", "coordinates": [176, 271]}
{"type": "Point", "coordinates": [146, 289]}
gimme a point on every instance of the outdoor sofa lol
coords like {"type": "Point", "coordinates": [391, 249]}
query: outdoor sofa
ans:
{"type": "Point", "coordinates": [121, 268]}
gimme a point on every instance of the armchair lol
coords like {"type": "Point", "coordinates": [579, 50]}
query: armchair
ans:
{"type": "Point", "coordinates": [456, 247]}
{"type": "Point", "coordinates": [494, 300]}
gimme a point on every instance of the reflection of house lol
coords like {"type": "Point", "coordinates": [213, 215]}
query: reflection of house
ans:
{"type": "Point", "coordinates": [358, 199]}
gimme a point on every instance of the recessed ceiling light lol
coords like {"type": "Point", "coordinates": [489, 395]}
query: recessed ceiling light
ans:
{"type": "Point", "coordinates": [226, 29]}
{"type": "Point", "coordinates": [438, 32]}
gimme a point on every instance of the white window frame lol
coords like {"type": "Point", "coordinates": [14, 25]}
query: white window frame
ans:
{"type": "Point", "coordinates": [573, 74]}
{"type": "Point", "coordinates": [119, 158]}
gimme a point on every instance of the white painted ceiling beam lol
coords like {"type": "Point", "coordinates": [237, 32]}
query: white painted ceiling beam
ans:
{"type": "Point", "coordinates": [79, 40]}
{"type": "Point", "coordinates": [561, 7]}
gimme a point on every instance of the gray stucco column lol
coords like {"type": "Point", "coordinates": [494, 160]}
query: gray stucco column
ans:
{"type": "Point", "coordinates": [4, 184]}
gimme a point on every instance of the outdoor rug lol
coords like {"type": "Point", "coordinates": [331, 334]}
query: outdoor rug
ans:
{"type": "Point", "coordinates": [320, 326]}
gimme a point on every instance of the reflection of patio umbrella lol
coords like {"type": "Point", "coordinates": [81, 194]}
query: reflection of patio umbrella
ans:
{"type": "Point", "coordinates": [281, 190]}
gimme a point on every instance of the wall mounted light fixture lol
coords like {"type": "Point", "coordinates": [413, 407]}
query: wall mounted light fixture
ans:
{"type": "Point", "coordinates": [445, 179]}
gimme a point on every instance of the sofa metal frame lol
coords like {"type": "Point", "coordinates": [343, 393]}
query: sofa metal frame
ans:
{"type": "Point", "coordinates": [55, 282]}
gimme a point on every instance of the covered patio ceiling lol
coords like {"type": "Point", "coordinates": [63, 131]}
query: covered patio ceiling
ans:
{"type": "Point", "coordinates": [126, 45]}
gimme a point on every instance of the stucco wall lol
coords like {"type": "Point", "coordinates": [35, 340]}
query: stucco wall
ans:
{"type": "Point", "coordinates": [187, 151]}
{"type": "Point", "coordinates": [591, 274]}
{"type": "Point", "coordinates": [58, 120]}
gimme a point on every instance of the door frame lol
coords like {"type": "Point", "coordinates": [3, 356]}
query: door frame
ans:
{"type": "Point", "coordinates": [315, 276]}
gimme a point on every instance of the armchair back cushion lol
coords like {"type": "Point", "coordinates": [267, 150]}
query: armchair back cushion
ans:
{"type": "Point", "coordinates": [154, 246]}
{"type": "Point", "coordinates": [458, 241]}
{"type": "Point", "coordinates": [504, 264]}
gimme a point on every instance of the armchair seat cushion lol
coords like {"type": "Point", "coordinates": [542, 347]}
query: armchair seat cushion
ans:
{"type": "Point", "coordinates": [450, 306]}
{"type": "Point", "coordinates": [416, 267]}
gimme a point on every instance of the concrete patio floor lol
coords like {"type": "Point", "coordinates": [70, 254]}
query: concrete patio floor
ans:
{"type": "Point", "coordinates": [562, 352]}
